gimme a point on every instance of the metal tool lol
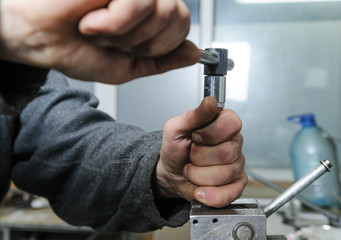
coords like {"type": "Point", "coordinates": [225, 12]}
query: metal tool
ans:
{"type": "Point", "coordinates": [216, 65]}
{"type": "Point", "coordinates": [334, 219]}
{"type": "Point", "coordinates": [243, 219]}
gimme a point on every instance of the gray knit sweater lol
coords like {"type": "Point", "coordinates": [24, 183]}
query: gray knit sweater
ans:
{"type": "Point", "coordinates": [94, 170]}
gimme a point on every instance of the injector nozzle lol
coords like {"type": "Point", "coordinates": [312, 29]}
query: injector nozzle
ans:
{"type": "Point", "coordinates": [216, 65]}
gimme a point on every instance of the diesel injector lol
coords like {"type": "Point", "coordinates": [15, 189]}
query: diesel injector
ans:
{"type": "Point", "coordinates": [216, 65]}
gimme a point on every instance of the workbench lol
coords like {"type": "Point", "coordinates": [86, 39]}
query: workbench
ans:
{"type": "Point", "coordinates": [44, 224]}
{"type": "Point", "coordinates": [28, 223]}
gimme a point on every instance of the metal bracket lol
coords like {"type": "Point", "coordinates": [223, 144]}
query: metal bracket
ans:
{"type": "Point", "coordinates": [243, 219]}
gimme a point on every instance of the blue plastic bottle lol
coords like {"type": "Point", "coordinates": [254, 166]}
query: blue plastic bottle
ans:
{"type": "Point", "coordinates": [309, 147]}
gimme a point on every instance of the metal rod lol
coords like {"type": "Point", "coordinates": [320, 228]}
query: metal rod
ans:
{"type": "Point", "coordinates": [212, 59]}
{"type": "Point", "coordinates": [334, 219]}
{"type": "Point", "coordinates": [297, 187]}
{"type": "Point", "coordinates": [208, 58]}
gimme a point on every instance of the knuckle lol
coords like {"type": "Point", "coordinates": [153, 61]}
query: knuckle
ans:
{"type": "Point", "coordinates": [233, 120]}
{"type": "Point", "coordinates": [235, 151]}
{"type": "Point", "coordinates": [234, 173]}
{"type": "Point", "coordinates": [225, 155]}
{"type": "Point", "coordinates": [143, 6]}
{"type": "Point", "coordinates": [224, 198]}
{"type": "Point", "coordinates": [230, 174]}
{"type": "Point", "coordinates": [243, 161]}
{"type": "Point", "coordinates": [185, 13]}
{"type": "Point", "coordinates": [223, 175]}
{"type": "Point", "coordinates": [234, 195]}
{"type": "Point", "coordinates": [240, 139]}
{"type": "Point", "coordinates": [184, 24]}
{"type": "Point", "coordinates": [245, 179]}
{"type": "Point", "coordinates": [230, 153]}
{"type": "Point", "coordinates": [169, 11]}
{"type": "Point", "coordinates": [167, 126]}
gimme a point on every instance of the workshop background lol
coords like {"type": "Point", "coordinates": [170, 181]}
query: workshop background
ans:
{"type": "Point", "coordinates": [287, 57]}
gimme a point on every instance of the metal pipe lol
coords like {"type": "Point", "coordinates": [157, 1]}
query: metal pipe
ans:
{"type": "Point", "coordinates": [297, 187]}
{"type": "Point", "coordinates": [208, 58]}
{"type": "Point", "coordinates": [334, 219]}
{"type": "Point", "coordinates": [212, 59]}
{"type": "Point", "coordinates": [215, 86]}
{"type": "Point", "coordinates": [331, 216]}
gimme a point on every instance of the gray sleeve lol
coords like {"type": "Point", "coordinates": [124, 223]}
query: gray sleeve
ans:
{"type": "Point", "coordinates": [94, 171]}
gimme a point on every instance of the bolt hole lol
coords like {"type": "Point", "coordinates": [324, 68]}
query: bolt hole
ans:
{"type": "Point", "coordinates": [195, 222]}
{"type": "Point", "coordinates": [214, 220]}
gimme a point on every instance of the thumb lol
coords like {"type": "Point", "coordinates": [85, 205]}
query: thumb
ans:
{"type": "Point", "coordinates": [200, 116]}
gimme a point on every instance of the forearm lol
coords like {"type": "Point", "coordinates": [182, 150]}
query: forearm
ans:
{"type": "Point", "coordinates": [94, 171]}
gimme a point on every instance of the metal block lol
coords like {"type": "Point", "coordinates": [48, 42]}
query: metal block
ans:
{"type": "Point", "coordinates": [241, 220]}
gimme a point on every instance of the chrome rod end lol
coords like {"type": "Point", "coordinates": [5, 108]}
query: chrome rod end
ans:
{"type": "Point", "coordinates": [328, 165]}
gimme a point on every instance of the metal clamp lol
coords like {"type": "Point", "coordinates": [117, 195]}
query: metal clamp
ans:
{"type": "Point", "coordinates": [243, 219]}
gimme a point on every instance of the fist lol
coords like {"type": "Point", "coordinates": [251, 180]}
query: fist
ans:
{"type": "Point", "coordinates": [201, 156]}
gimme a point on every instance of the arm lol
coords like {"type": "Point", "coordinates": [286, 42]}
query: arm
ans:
{"type": "Point", "coordinates": [94, 171]}
{"type": "Point", "coordinates": [100, 173]}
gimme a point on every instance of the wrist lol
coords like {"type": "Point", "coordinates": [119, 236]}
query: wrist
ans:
{"type": "Point", "coordinates": [166, 183]}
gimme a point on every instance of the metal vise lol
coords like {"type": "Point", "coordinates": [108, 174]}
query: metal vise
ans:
{"type": "Point", "coordinates": [243, 219]}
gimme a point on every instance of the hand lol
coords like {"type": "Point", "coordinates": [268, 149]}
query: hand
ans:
{"type": "Point", "coordinates": [144, 28]}
{"type": "Point", "coordinates": [106, 41]}
{"type": "Point", "coordinates": [201, 156]}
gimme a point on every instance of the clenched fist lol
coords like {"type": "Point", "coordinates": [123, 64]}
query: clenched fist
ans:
{"type": "Point", "coordinates": [201, 156]}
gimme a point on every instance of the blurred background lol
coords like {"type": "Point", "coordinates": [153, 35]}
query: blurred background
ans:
{"type": "Point", "coordinates": [287, 57]}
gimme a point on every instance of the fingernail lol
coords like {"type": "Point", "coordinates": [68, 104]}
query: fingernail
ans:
{"type": "Point", "coordinates": [197, 138]}
{"type": "Point", "coordinates": [201, 195]}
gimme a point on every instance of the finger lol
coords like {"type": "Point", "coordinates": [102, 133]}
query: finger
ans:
{"type": "Point", "coordinates": [225, 126]}
{"type": "Point", "coordinates": [225, 153]}
{"type": "Point", "coordinates": [63, 10]}
{"type": "Point", "coordinates": [217, 175]}
{"type": "Point", "coordinates": [118, 18]}
{"type": "Point", "coordinates": [186, 123]}
{"type": "Point", "coordinates": [166, 40]}
{"type": "Point", "coordinates": [223, 195]}
{"type": "Point", "coordinates": [186, 54]}
{"type": "Point", "coordinates": [163, 16]}
{"type": "Point", "coordinates": [103, 60]}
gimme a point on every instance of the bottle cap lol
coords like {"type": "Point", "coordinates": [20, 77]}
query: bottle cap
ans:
{"type": "Point", "coordinates": [306, 120]}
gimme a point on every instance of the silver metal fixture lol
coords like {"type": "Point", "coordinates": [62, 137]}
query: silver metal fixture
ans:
{"type": "Point", "coordinates": [212, 59]}
{"type": "Point", "coordinates": [243, 219]}
{"type": "Point", "coordinates": [216, 65]}
{"type": "Point", "coordinates": [334, 219]}
{"type": "Point", "coordinates": [298, 187]}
